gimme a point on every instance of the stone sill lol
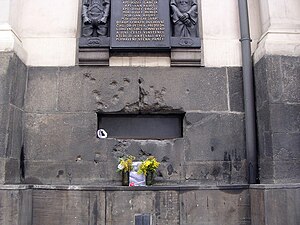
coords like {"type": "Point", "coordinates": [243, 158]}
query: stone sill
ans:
{"type": "Point", "coordinates": [275, 186]}
{"type": "Point", "coordinates": [123, 188]}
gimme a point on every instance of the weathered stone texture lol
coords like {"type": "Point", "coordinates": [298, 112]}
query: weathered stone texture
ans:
{"type": "Point", "coordinates": [278, 118]}
{"type": "Point", "coordinates": [275, 205]}
{"type": "Point", "coordinates": [235, 85]}
{"type": "Point", "coordinates": [215, 207]}
{"type": "Point", "coordinates": [15, 207]}
{"type": "Point", "coordinates": [41, 95]}
{"type": "Point", "coordinates": [120, 205]}
{"type": "Point", "coordinates": [13, 76]}
{"type": "Point", "coordinates": [68, 207]}
{"type": "Point", "coordinates": [61, 121]}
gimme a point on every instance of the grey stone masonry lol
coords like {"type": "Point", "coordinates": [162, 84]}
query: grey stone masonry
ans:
{"type": "Point", "coordinates": [13, 77]}
{"type": "Point", "coordinates": [62, 103]}
{"type": "Point", "coordinates": [277, 83]}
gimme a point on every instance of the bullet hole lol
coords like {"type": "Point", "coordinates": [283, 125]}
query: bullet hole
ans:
{"type": "Point", "coordinates": [60, 173]}
{"type": "Point", "coordinates": [170, 169]}
{"type": "Point", "coordinates": [78, 158]}
{"type": "Point", "coordinates": [212, 148]}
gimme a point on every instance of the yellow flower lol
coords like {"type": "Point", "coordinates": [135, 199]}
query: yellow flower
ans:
{"type": "Point", "coordinates": [149, 165]}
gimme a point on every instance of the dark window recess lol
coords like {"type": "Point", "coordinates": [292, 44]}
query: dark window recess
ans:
{"type": "Point", "coordinates": [142, 219]}
{"type": "Point", "coordinates": [141, 126]}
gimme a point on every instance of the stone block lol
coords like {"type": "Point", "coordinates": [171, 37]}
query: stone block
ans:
{"type": "Point", "coordinates": [257, 207]}
{"type": "Point", "coordinates": [286, 146]}
{"type": "Point", "coordinates": [274, 78]}
{"type": "Point", "coordinates": [287, 171]}
{"type": "Point", "coordinates": [4, 123]}
{"type": "Point", "coordinates": [260, 82]}
{"type": "Point", "coordinates": [93, 56]}
{"type": "Point", "coordinates": [274, 204]}
{"type": "Point", "coordinates": [185, 57]}
{"type": "Point", "coordinates": [7, 65]}
{"type": "Point", "coordinates": [266, 171]}
{"type": "Point", "coordinates": [66, 172]}
{"type": "Point", "coordinates": [183, 89]}
{"type": "Point", "coordinates": [41, 94]}
{"type": "Point", "coordinates": [202, 207]}
{"type": "Point", "coordinates": [277, 79]}
{"type": "Point", "coordinates": [212, 136]}
{"type": "Point", "coordinates": [216, 172]}
{"type": "Point", "coordinates": [12, 171]}
{"type": "Point", "coordinates": [15, 135]}
{"type": "Point", "coordinates": [53, 207]}
{"type": "Point", "coordinates": [15, 207]}
{"type": "Point", "coordinates": [97, 89]}
{"type": "Point", "coordinates": [168, 152]}
{"type": "Point", "coordinates": [163, 206]}
{"type": "Point", "coordinates": [290, 68]}
{"type": "Point", "coordinates": [18, 85]}
{"type": "Point", "coordinates": [63, 137]}
{"type": "Point", "coordinates": [235, 84]}
{"type": "Point", "coordinates": [285, 118]}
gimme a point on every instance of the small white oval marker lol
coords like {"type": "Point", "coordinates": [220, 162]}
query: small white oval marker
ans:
{"type": "Point", "coordinates": [101, 133]}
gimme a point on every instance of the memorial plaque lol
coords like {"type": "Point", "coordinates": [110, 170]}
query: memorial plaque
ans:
{"type": "Point", "coordinates": [140, 24]}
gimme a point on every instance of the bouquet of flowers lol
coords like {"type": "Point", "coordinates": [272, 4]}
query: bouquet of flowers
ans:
{"type": "Point", "coordinates": [125, 163]}
{"type": "Point", "coordinates": [148, 166]}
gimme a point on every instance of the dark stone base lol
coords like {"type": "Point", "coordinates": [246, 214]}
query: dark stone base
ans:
{"type": "Point", "coordinates": [93, 56]}
{"type": "Point", "coordinates": [13, 78]}
{"type": "Point", "coordinates": [185, 57]}
{"type": "Point", "coordinates": [275, 204]}
{"type": "Point", "coordinates": [166, 205]}
{"type": "Point", "coordinates": [277, 84]}
{"type": "Point", "coordinates": [179, 205]}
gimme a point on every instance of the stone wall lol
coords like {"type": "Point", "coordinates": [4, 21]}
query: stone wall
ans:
{"type": "Point", "coordinates": [56, 205]}
{"type": "Point", "coordinates": [278, 117]}
{"type": "Point", "coordinates": [61, 122]}
{"type": "Point", "coordinates": [13, 77]}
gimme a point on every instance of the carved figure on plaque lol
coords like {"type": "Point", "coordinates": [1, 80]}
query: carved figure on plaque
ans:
{"type": "Point", "coordinates": [95, 18]}
{"type": "Point", "coordinates": [185, 18]}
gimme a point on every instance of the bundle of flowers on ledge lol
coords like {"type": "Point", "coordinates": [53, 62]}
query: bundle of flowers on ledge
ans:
{"type": "Point", "coordinates": [148, 168]}
{"type": "Point", "coordinates": [137, 173]}
{"type": "Point", "coordinates": [125, 166]}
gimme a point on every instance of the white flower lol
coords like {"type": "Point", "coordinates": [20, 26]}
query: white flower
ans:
{"type": "Point", "coordinates": [120, 166]}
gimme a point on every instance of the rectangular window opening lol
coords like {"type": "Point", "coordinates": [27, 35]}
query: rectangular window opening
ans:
{"type": "Point", "coordinates": [142, 126]}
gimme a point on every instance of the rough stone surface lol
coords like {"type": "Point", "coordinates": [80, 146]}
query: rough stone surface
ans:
{"type": "Point", "coordinates": [211, 207]}
{"type": "Point", "coordinates": [4, 121]}
{"type": "Point", "coordinates": [68, 207]}
{"type": "Point", "coordinates": [219, 172]}
{"type": "Point", "coordinates": [15, 207]}
{"type": "Point", "coordinates": [212, 136]}
{"type": "Point", "coordinates": [61, 121]}
{"type": "Point", "coordinates": [235, 83]}
{"type": "Point", "coordinates": [195, 88]}
{"type": "Point", "coordinates": [91, 89]}
{"type": "Point", "coordinates": [278, 118]}
{"type": "Point", "coordinates": [13, 76]}
{"type": "Point", "coordinates": [272, 205]}
{"type": "Point", "coordinates": [41, 95]}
